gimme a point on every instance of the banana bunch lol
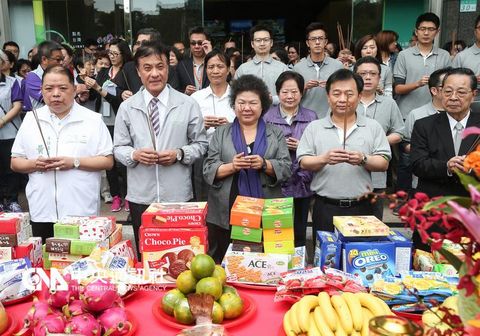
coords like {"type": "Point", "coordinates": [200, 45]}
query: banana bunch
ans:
{"type": "Point", "coordinates": [339, 315]}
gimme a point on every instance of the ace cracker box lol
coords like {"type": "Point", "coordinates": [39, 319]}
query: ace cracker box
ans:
{"type": "Point", "coordinates": [171, 250]}
{"type": "Point", "coordinates": [175, 215]}
{"type": "Point", "coordinates": [247, 212]}
{"type": "Point", "coordinates": [369, 260]}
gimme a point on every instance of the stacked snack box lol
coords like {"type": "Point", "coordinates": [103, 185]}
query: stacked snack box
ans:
{"type": "Point", "coordinates": [171, 235]}
{"type": "Point", "coordinates": [367, 251]}
{"type": "Point", "coordinates": [16, 239]}
{"type": "Point", "coordinates": [251, 259]}
{"type": "Point", "coordinates": [76, 237]}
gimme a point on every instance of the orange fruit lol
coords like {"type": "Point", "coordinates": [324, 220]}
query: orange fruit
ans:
{"type": "Point", "coordinates": [210, 285]}
{"type": "Point", "coordinates": [232, 305]}
{"type": "Point", "coordinates": [186, 282]}
{"type": "Point", "coordinates": [170, 299]}
{"type": "Point", "coordinates": [220, 274]}
{"type": "Point", "coordinates": [202, 266]}
{"type": "Point", "coordinates": [217, 313]}
{"type": "Point", "coordinates": [182, 312]}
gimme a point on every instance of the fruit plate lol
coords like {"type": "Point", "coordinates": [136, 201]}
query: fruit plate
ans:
{"type": "Point", "coordinates": [252, 286]}
{"type": "Point", "coordinates": [249, 309]}
{"type": "Point", "coordinates": [20, 300]}
{"type": "Point", "coordinates": [11, 326]}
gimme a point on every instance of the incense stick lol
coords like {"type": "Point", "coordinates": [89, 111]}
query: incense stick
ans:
{"type": "Point", "coordinates": [454, 33]}
{"type": "Point", "coordinates": [40, 129]}
{"type": "Point", "coordinates": [474, 145]}
{"type": "Point", "coordinates": [345, 127]}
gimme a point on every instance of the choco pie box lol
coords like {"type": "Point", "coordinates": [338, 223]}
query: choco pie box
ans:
{"type": "Point", "coordinates": [247, 212]}
{"type": "Point", "coordinates": [171, 249]}
{"type": "Point", "coordinates": [175, 215]}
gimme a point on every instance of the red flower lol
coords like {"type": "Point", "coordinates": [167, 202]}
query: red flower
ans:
{"type": "Point", "coordinates": [467, 284]}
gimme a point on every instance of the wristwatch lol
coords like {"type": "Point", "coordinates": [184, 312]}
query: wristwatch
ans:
{"type": "Point", "coordinates": [76, 163]}
{"type": "Point", "coordinates": [364, 160]}
{"type": "Point", "coordinates": [264, 164]}
{"type": "Point", "coordinates": [180, 154]}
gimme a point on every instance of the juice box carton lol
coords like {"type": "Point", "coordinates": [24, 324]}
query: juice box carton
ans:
{"type": "Point", "coordinates": [246, 233]}
{"type": "Point", "coordinates": [360, 226]}
{"type": "Point", "coordinates": [10, 225]}
{"type": "Point", "coordinates": [14, 239]}
{"type": "Point", "coordinates": [247, 211]}
{"type": "Point", "coordinates": [24, 250]}
{"type": "Point", "coordinates": [175, 215]}
{"type": "Point", "coordinates": [116, 236]}
{"type": "Point", "coordinates": [254, 268]}
{"type": "Point", "coordinates": [328, 251]}
{"type": "Point", "coordinates": [278, 213]}
{"type": "Point", "coordinates": [171, 249]}
{"type": "Point", "coordinates": [85, 247]}
{"type": "Point", "coordinates": [279, 234]}
{"type": "Point", "coordinates": [279, 247]}
{"type": "Point", "coordinates": [245, 246]}
{"type": "Point", "coordinates": [67, 231]}
{"type": "Point", "coordinates": [98, 228]}
{"type": "Point", "coordinates": [37, 250]}
{"type": "Point", "coordinates": [57, 245]}
{"type": "Point", "coordinates": [7, 253]}
{"type": "Point", "coordinates": [403, 251]}
{"type": "Point", "coordinates": [298, 260]}
{"type": "Point", "coordinates": [369, 260]}
{"type": "Point", "coordinates": [23, 217]}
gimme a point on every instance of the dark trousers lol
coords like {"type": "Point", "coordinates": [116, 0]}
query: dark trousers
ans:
{"type": "Point", "coordinates": [301, 206]}
{"type": "Point", "coordinates": [136, 211]}
{"type": "Point", "coordinates": [323, 213]}
{"type": "Point", "coordinates": [200, 187]}
{"type": "Point", "coordinates": [42, 229]}
{"type": "Point", "coordinates": [117, 176]}
{"type": "Point", "coordinates": [404, 171]}
{"type": "Point", "coordinates": [218, 241]}
{"type": "Point", "coordinates": [9, 180]}
{"type": "Point", "coordinates": [378, 205]}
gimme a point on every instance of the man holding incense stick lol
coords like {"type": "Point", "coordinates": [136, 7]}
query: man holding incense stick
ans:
{"type": "Point", "coordinates": [342, 149]}
{"type": "Point", "coordinates": [63, 147]}
{"type": "Point", "coordinates": [159, 133]}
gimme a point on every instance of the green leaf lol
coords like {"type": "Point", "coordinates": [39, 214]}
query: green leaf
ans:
{"type": "Point", "coordinates": [451, 258]}
{"type": "Point", "coordinates": [463, 201]}
{"type": "Point", "coordinates": [466, 179]}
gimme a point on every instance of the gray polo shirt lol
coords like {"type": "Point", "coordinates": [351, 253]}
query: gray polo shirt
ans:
{"type": "Point", "coordinates": [469, 58]}
{"type": "Point", "coordinates": [410, 67]}
{"type": "Point", "coordinates": [268, 70]}
{"type": "Point", "coordinates": [316, 98]}
{"type": "Point", "coordinates": [419, 113]}
{"type": "Point", "coordinates": [385, 111]}
{"type": "Point", "coordinates": [386, 80]}
{"type": "Point", "coordinates": [343, 180]}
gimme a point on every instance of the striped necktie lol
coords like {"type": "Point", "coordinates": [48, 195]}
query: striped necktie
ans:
{"type": "Point", "coordinates": [154, 115]}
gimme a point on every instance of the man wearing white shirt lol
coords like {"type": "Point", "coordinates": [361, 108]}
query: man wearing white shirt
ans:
{"type": "Point", "coordinates": [63, 147]}
{"type": "Point", "coordinates": [216, 110]}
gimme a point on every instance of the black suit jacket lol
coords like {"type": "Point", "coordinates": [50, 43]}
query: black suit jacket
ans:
{"type": "Point", "coordinates": [432, 146]}
{"type": "Point", "coordinates": [184, 70]}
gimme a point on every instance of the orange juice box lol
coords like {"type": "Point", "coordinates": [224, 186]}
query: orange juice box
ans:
{"type": "Point", "coordinates": [278, 213]}
{"type": "Point", "coordinates": [247, 211]}
{"type": "Point", "coordinates": [279, 247]}
{"type": "Point", "coordinates": [246, 233]}
{"type": "Point", "coordinates": [175, 215]}
{"type": "Point", "coordinates": [278, 234]}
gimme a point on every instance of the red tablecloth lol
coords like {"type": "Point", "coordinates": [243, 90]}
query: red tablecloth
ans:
{"type": "Point", "coordinates": [267, 320]}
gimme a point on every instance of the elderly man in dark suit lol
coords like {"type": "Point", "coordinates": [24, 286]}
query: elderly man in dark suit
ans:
{"type": "Point", "coordinates": [437, 145]}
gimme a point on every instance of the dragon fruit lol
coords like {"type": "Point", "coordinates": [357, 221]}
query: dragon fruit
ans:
{"type": "Point", "coordinates": [74, 308]}
{"type": "Point", "coordinates": [114, 322]}
{"type": "Point", "coordinates": [38, 311]}
{"type": "Point", "coordinates": [84, 324]}
{"type": "Point", "coordinates": [59, 298]}
{"type": "Point", "coordinates": [73, 286]}
{"type": "Point", "coordinates": [99, 295]}
{"type": "Point", "coordinates": [52, 323]}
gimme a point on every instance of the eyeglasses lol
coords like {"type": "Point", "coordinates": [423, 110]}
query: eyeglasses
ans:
{"type": "Point", "coordinates": [113, 53]}
{"type": "Point", "coordinates": [364, 74]}
{"type": "Point", "coordinates": [260, 40]}
{"type": "Point", "coordinates": [317, 39]}
{"type": "Point", "coordinates": [57, 59]}
{"type": "Point", "coordinates": [292, 92]}
{"type": "Point", "coordinates": [199, 42]}
{"type": "Point", "coordinates": [460, 93]}
{"type": "Point", "coordinates": [429, 29]}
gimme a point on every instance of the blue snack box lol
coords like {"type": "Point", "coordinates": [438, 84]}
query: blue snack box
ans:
{"type": "Point", "coordinates": [327, 251]}
{"type": "Point", "coordinates": [369, 260]}
{"type": "Point", "coordinates": [403, 251]}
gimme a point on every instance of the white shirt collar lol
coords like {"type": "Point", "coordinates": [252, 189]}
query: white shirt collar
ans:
{"type": "Point", "coordinates": [162, 97]}
{"type": "Point", "coordinates": [453, 122]}
{"type": "Point", "coordinates": [209, 92]}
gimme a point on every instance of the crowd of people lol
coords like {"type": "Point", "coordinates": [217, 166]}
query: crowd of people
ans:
{"type": "Point", "coordinates": [154, 123]}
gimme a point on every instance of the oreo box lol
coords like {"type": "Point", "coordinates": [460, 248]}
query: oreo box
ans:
{"type": "Point", "coordinates": [369, 260]}
{"type": "Point", "coordinates": [403, 251]}
{"type": "Point", "coordinates": [327, 251]}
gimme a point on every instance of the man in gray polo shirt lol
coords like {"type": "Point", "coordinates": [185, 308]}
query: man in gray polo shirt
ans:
{"type": "Point", "coordinates": [415, 64]}
{"type": "Point", "coordinates": [316, 68]}
{"type": "Point", "coordinates": [382, 109]}
{"type": "Point", "coordinates": [470, 58]}
{"type": "Point", "coordinates": [342, 170]}
{"type": "Point", "coordinates": [263, 65]}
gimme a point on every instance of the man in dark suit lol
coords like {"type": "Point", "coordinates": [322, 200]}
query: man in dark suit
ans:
{"type": "Point", "coordinates": [191, 74]}
{"type": "Point", "coordinates": [437, 146]}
